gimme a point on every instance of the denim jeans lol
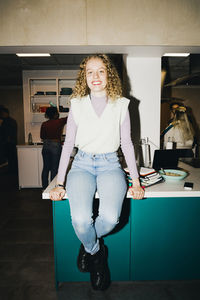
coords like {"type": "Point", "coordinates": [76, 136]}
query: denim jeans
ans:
{"type": "Point", "coordinates": [51, 152]}
{"type": "Point", "coordinates": [91, 173]}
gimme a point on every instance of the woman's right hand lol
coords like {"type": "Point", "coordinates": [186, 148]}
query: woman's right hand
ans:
{"type": "Point", "coordinates": [57, 193]}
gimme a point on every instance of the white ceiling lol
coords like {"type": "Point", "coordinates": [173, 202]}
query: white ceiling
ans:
{"type": "Point", "coordinates": [126, 49]}
{"type": "Point", "coordinates": [66, 57]}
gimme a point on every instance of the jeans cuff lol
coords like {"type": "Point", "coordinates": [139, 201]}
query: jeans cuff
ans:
{"type": "Point", "coordinates": [95, 249]}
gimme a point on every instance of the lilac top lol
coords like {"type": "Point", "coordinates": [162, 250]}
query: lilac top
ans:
{"type": "Point", "coordinates": [99, 104]}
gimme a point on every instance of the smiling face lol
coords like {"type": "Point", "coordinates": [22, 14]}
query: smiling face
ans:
{"type": "Point", "coordinates": [96, 76]}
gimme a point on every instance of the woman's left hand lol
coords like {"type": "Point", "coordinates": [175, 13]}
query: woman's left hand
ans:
{"type": "Point", "coordinates": [137, 192]}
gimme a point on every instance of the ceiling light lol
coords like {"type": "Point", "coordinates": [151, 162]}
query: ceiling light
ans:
{"type": "Point", "coordinates": [177, 54]}
{"type": "Point", "coordinates": [32, 54]}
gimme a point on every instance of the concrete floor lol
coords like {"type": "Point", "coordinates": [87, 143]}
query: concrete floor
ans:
{"type": "Point", "coordinates": [26, 256]}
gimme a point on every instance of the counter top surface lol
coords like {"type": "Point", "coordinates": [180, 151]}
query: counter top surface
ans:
{"type": "Point", "coordinates": [35, 145]}
{"type": "Point", "coordinates": [164, 189]}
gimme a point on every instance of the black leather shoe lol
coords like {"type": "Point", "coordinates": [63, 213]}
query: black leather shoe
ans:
{"type": "Point", "coordinates": [99, 271]}
{"type": "Point", "coordinates": [83, 260]}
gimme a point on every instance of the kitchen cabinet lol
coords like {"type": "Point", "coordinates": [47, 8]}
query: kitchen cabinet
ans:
{"type": "Point", "coordinates": [41, 89]}
{"type": "Point", "coordinates": [30, 166]}
{"type": "Point", "coordinates": [157, 239]}
{"type": "Point", "coordinates": [165, 243]}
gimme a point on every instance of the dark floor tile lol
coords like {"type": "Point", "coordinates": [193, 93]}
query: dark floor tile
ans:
{"type": "Point", "coordinates": [145, 290]}
{"type": "Point", "coordinates": [29, 224]}
{"type": "Point", "coordinates": [21, 236]}
{"type": "Point", "coordinates": [82, 291]}
{"type": "Point", "coordinates": [11, 293]}
{"type": "Point", "coordinates": [33, 213]}
{"type": "Point", "coordinates": [4, 220]}
{"type": "Point", "coordinates": [19, 273]}
{"type": "Point", "coordinates": [185, 290]}
{"type": "Point", "coordinates": [37, 292]}
{"type": "Point", "coordinates": [26, 252]}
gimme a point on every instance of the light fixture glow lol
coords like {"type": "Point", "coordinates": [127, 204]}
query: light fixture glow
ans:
{"type": "Point", "coordinates": [32, 54]}
{"type": "Point", "coordinates": [177, 54]}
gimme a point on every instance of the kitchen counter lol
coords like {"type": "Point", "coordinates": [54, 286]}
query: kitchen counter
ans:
{"type": "Point", "coordinates": [35, 145]}
{"type": "Point", "coordinates": [30, 165]}
{"type": "Point", "coordinates": [164, 189]}
{"type": "Point", "coordinates": [159, 235]}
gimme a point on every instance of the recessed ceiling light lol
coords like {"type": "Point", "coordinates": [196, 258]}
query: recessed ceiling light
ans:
{"type": "Point", "coordinates": [32, 54]}
{"type": "Point", "coordinates": [177, 54]}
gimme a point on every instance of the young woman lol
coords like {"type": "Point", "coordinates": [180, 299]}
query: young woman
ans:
{"type": "Point", "coordinates": [50, 133]}
{"type": "Point", "coordinates": [98, 122]}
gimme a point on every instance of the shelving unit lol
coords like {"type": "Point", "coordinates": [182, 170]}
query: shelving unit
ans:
{"type": "Point", "coordinates": [47, 92]}
{"type": "Point", "coordinates": [64, 92]}
{"type": "Point", "coordinates": [41, 89]}
{"type": "Point", "coordinates": [39, 94]}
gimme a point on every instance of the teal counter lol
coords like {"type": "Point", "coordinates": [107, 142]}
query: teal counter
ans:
{"type": "Point", "coordinates": [165, 239]}
{"type": "Point", "coordinates": [157, 238]}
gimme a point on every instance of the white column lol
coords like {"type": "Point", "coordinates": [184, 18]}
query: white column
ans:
{"type": "Point", "coordinates": [144, 78]}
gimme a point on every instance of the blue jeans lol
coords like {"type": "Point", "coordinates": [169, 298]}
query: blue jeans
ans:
{"type": "Point", "coordinates": [51, 152]}
{"type": "Point", "coordinates": [91, 173]}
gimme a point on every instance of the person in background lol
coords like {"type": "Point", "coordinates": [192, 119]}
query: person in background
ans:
{"type": "Point", "coordinates": [2, 155]}
{"type": "Point", "coordinates": [50, 133]}
{"type": "Point", "coordinates": [180, 130]}
{"type": "Point", "coordinates": [8, 138]}
{"type": "Point", "coordinates": [98, 122]}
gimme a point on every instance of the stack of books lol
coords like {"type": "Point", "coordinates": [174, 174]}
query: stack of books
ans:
{"type": "Point", "coordinates": [149, 177]}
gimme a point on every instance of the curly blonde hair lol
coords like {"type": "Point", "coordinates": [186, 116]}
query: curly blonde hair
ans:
{"type": "Point", "coordinates": [113, 87]}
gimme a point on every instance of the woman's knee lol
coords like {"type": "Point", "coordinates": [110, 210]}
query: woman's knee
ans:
{"type": "Point", "coordinates": [108, 221]}
{"type": "Point", "coordinates": [82, 224]}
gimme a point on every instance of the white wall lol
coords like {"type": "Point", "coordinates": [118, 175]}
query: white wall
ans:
{"type": "Point", "coordinates": [99, 22]}
{"type": "Point", "coordinates": [144, 75]}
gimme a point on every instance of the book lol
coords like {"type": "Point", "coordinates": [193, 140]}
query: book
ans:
{"type": "Point", "coordinates": [147, 176]}
{"type": "Point", "coordinates": [146, 171]}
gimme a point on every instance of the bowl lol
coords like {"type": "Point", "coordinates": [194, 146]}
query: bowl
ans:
{"type": "Point", "coordinates": [173, 174]}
